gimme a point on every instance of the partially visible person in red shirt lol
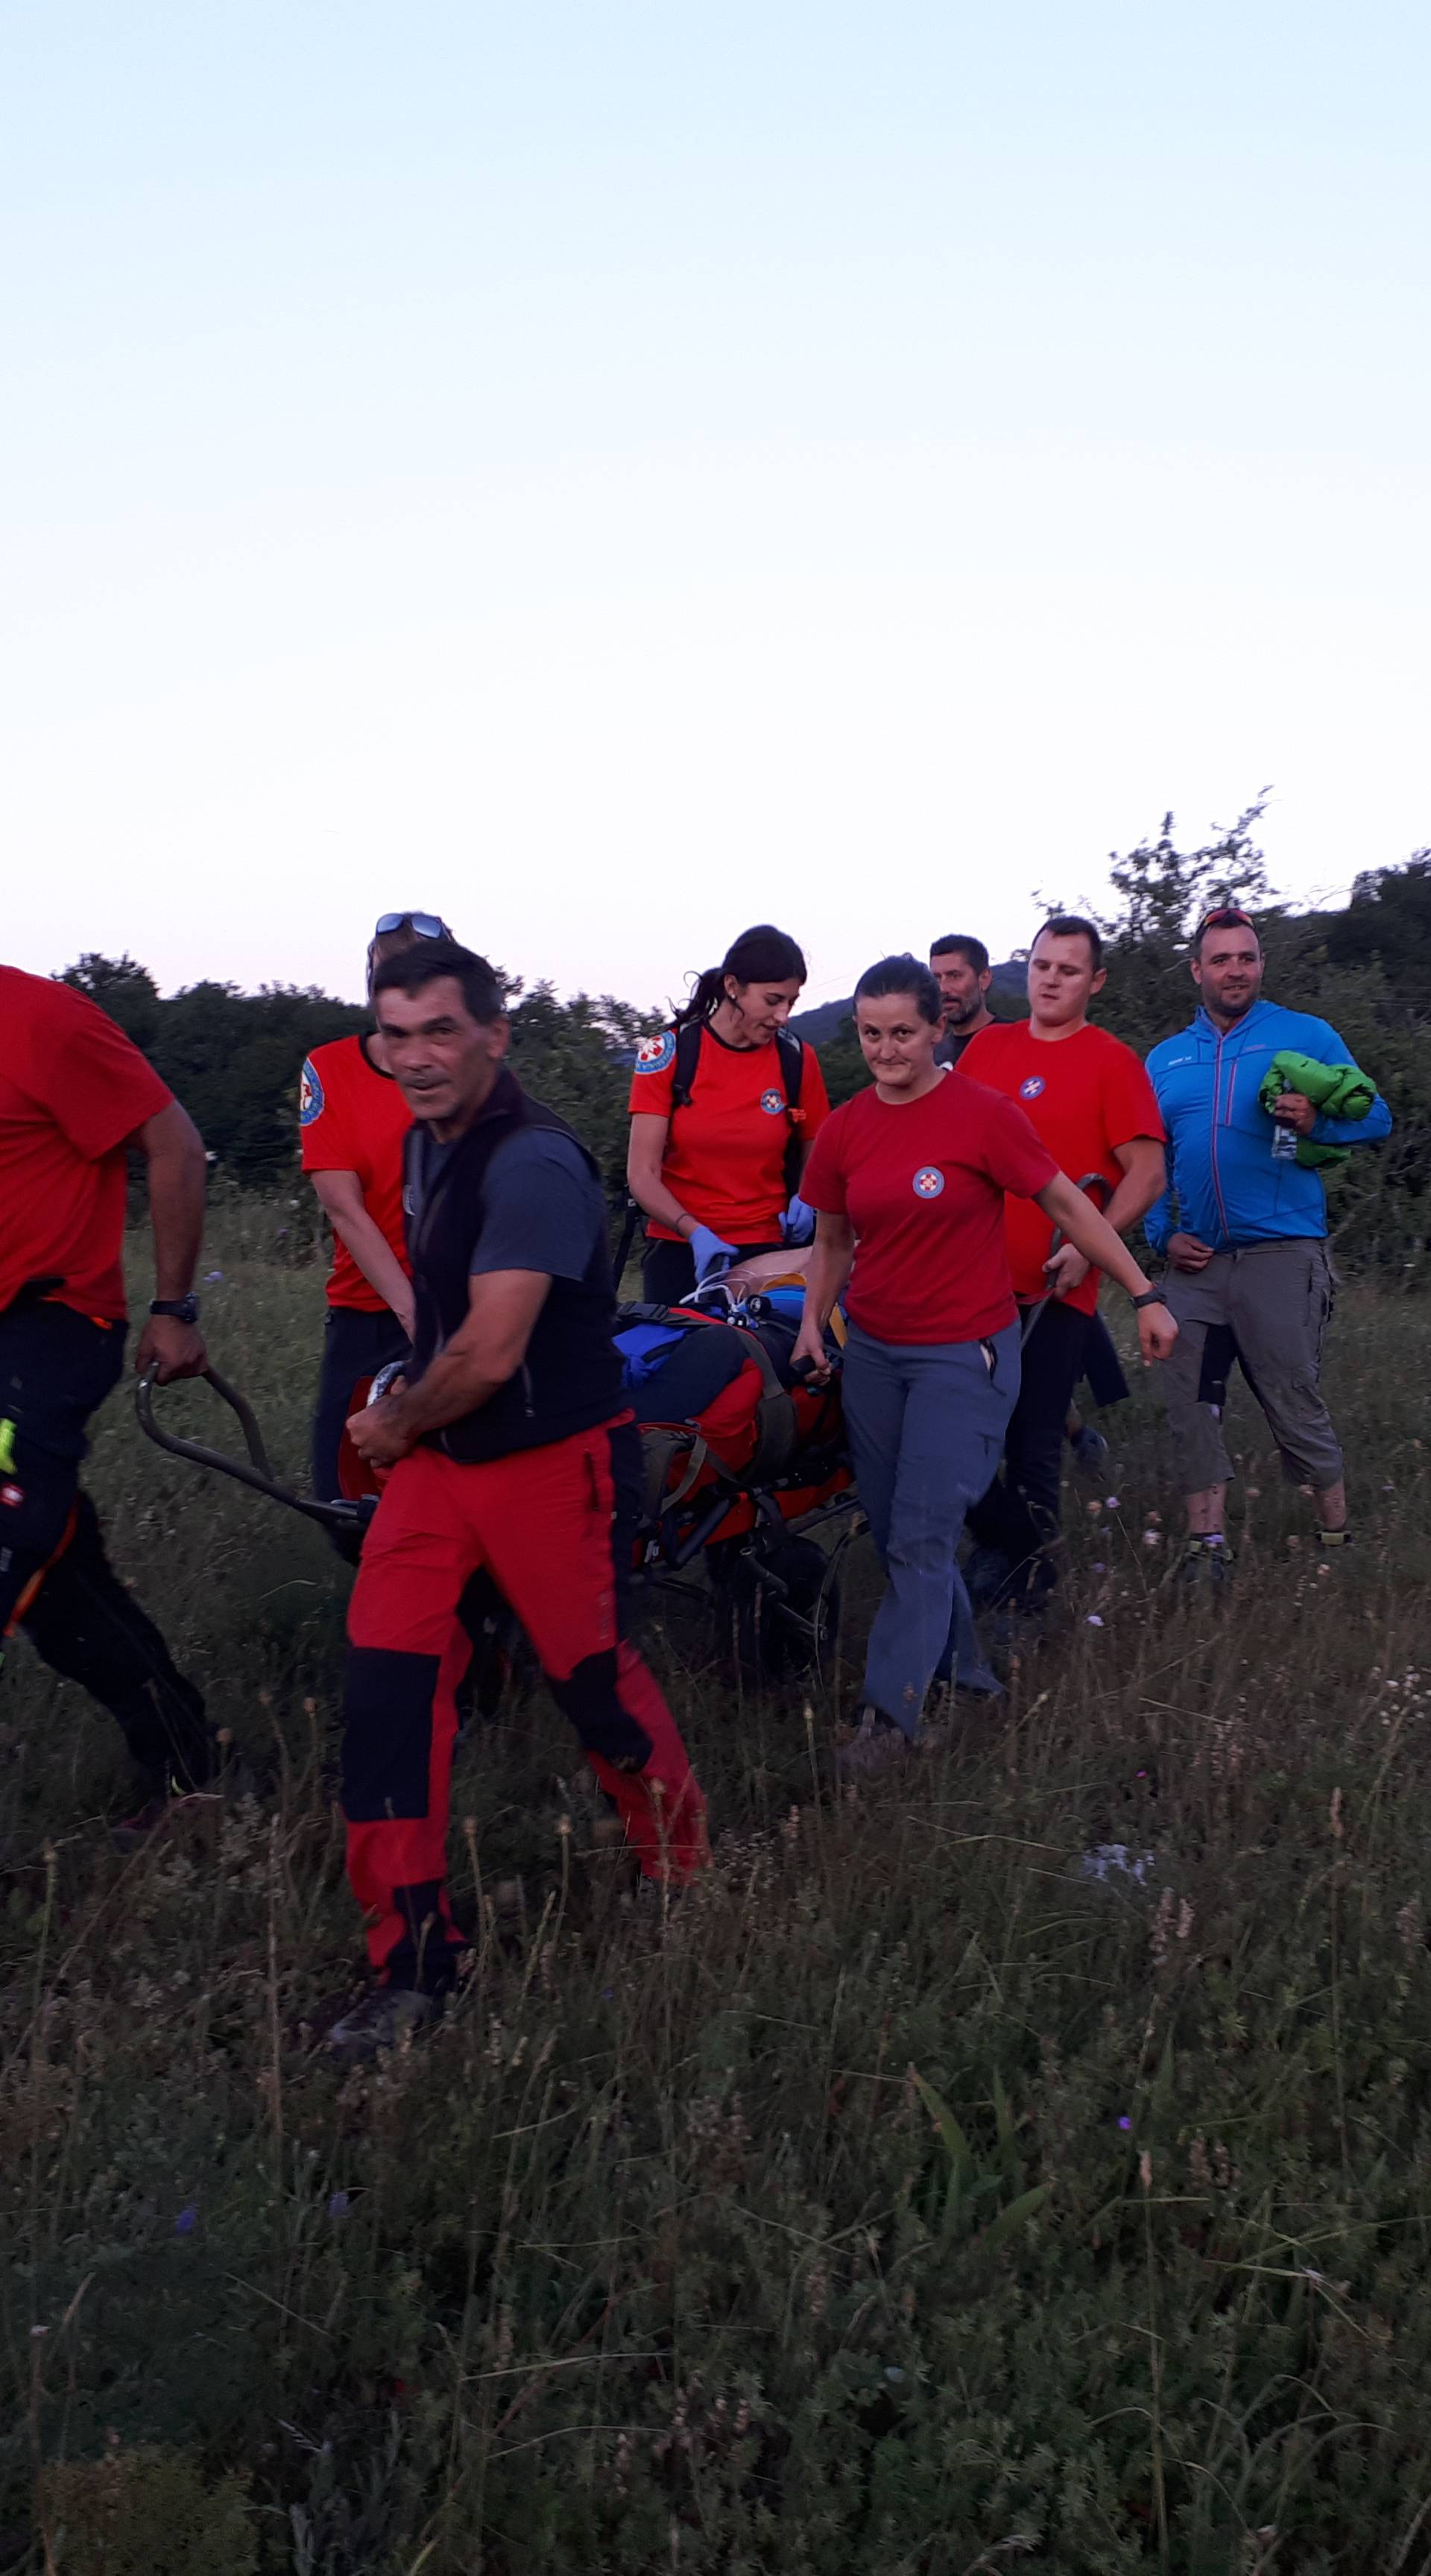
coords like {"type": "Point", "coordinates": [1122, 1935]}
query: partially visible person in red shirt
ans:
{"type": "Point", "coordinates": [714, 1168]}
{"type": "Point", "coordinates": [352, 1121]}
{"type": "Point", "coordinates": [908, 1180]}
{"type": "Point", "coordinates": [75, 1094]}
{"type": "Point", "coordinates": [1089, 1100]}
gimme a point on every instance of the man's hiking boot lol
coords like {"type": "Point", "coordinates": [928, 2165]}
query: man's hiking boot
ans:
{"type": "Point", "coordinates": [1088, 1449]}
{"type": "Point", "coordinates": [1207, 1564]}
{"type": "Point", "coordinates": [876, 1745]}
{"type": "Point", "coordinates": [389, 2017]}
{"type": "Point", "coordinates": [174, 1801]}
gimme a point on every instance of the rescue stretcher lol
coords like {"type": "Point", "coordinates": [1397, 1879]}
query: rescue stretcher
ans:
{"type": "Point", "coordinates": [733, 1490]}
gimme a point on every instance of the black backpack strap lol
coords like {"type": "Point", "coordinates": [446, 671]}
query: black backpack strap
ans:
{"type": "Point", "coordinates": [792, 1066]}
{"type": "Point", "coordinates": [688, 1055]}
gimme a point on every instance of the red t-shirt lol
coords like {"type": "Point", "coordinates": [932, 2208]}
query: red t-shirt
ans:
{"type": "Point", "coordinates": [1082, 1095]}
{"type": "Point", "coordinates": [725, 1150]}
{"type": "Point", "coordinates": [352, 1118]}
{"type": "Point", "coordinates": [73, 1088]}
{"type": "Point", "coordinates": [923, 1186]}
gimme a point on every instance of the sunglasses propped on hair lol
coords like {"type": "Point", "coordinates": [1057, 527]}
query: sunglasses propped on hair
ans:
{"type": "Point", "coordinates": [426, 924]}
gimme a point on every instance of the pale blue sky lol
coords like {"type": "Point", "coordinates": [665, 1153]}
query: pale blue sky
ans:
{"type": "Point", "coordinates": [614, 472]}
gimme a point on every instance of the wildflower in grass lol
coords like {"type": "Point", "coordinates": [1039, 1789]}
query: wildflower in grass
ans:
{"type": "Point", "coordinates": [1112, 1503]}
{"type": "Point", "coordinates": [188, 2219]}
{"type": "Point", "coordinates": [1093, 1619]}
{"type": "Point", "coordinates": [338, 2204]}
{"type": "Point", "coordinates": [1152, 1538]}
{"type": "Point", "coordinates": [1124, 2122]}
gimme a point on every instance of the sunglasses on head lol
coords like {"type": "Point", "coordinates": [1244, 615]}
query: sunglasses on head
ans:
{"type": "Point", "coordinates": [426, 924]}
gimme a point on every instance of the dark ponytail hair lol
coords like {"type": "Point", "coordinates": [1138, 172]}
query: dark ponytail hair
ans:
{"type": "Point", "coordinates": [763, 955]}
{"type": "Point", "coordinates": [904, 974]}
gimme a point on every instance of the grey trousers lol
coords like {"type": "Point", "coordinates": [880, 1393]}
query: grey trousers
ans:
{"type": "Point", "coordinates": [1275, 1299]}
{"type": "Point", "coordinates": [926, 1424]}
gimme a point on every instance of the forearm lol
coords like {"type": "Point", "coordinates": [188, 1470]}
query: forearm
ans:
{"type": "Point", "coordinates": [1099, 1244]}
{"type": "Point", "coordinates": [1131, 1200]}
{"type": "Point", "coordinates": [456, 1382]}
{"type": "Point", "coordinates": [655, 1200]}
{"type": "Point", "coordinates": [1081, 1224]}
{"type": "Point", "coordinates": [826, 1273]}
{"type": "Point", "coordinates": [375, 1258]}
{"type": "Point", "coordinates": [177, 1174]}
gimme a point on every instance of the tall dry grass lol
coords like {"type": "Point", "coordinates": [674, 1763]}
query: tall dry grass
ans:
{"type": "Point", "coordinates": [905, 2199]}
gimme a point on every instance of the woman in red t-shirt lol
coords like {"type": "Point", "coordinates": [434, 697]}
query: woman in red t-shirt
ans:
{"type": "Point", "coordinates": [710, 1159]}
{"type": "Point", "coordinates": [908, 1182]}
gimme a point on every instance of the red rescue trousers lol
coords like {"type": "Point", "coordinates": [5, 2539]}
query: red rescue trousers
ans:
{"type": "Point", "coordinates": [540, 1522]}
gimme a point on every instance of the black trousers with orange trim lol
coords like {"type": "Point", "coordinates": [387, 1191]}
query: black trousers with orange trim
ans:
{"type": "Point", "coordinates": [541, 1524]}
{"type": "Point", "coordinates": [56, 1581]}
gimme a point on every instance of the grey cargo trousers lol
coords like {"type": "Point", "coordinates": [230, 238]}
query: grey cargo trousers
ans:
{"type": "Point", "coordinates": [1276, 1301]}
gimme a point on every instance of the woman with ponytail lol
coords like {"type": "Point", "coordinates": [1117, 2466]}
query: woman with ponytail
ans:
{"type": "Point", "coordinates": [725, 1104]}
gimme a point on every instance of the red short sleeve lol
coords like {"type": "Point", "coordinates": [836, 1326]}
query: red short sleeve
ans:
{"type": "Point", "coordinates": [324, 1131]}
{"type": "Point", "coordinates": [1013, 1155]}
{"type": "Point", "coordinates": [100, 1088]}
{"type": "Point", "coordinates": [1130, 1104]}
{"type": "Point", "coordinates": [652, 1076]}
{"type": "Point", "coordinates": [824, 1181]}
{"type": "Point", "coordinates": [814, 1098]}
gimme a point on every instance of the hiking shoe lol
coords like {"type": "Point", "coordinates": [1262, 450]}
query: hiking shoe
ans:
{"type": "Point", "coordinates": [1088, 1448]}
{"type": "Point", "coordinates": [171, 1801]}
{"type": "Point", "coordinates": [987, 1575]}
{"type": "Point", "coordinates": [1204, 1564]}
{"type": "Point", "coordinates": [876, 1745]}
{"type": "Point", "coordinates": [389, 2017]}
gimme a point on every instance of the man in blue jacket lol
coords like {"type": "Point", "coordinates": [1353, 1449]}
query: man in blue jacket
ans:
{"type": "Point", "coordinates": [1247, 1257]}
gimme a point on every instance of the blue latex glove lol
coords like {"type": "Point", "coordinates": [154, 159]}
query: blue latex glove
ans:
{"type": "Point", "coordinates": [798, 1223]}
{"type": "Point", "coordinates": [711, 1254]}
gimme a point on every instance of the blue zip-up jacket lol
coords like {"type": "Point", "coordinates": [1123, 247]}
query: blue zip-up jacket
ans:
{"type": "Point", "coordinates": [1226, 1184]}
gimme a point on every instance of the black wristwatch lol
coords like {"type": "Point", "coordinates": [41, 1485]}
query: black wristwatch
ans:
{"type": "Point", "coordinates": [185, 1310]}
{"type": "Point", "coordinates": [1150, 1297]}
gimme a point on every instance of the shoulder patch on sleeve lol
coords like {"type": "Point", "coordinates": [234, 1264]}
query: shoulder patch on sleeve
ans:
{"type": "Point", "coordinates": [310, 1094]}
{"type": "Point", "coordinates": [654, 1054]}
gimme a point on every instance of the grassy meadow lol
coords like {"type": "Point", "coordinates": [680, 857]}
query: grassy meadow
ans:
{"type": "Point", "coordinates": [907, 2199]}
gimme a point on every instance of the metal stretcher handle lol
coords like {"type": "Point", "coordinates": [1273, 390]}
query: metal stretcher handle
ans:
{"type": "Point", "coordinates": [258, 1472]}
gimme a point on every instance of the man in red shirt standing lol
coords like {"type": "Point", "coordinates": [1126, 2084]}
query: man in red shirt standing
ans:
{"type": "Point", "coordinates": [74, 1094]}
{"type": "Point", "coordinates": [352, 1121]}
{"type": "Point", "coordinates": [1087, 1097]}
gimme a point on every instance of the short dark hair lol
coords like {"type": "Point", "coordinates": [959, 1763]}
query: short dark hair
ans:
{"type": "Point", "coordinates": [413, 969]}
{"type": "Point", "coordinates": [1224, 916]}
{"type": "Point", "coordinates": [954, 944]}
{"type": "Point", "coordinates": [1071, 925]}
{"type": "Point", "coordinates": [903, 974]}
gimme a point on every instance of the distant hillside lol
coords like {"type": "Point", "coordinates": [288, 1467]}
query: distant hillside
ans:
{"type": "Point", "coordinates": [827, 1018]}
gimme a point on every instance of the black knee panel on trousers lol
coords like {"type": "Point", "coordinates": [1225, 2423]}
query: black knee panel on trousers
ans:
{"type": "Point", "coordinates": [387, 1733]}
{"type": "Point", "coordinates": [589, 1698]}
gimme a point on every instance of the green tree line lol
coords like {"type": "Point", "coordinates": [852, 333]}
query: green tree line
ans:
{"type": "Point", "coordinates": [233, 1057]}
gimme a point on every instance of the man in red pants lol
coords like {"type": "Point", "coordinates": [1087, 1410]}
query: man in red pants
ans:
{"type": "Point", "coordinates": [501, 1446]}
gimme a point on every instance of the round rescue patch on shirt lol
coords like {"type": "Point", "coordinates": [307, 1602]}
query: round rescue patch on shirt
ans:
{"type": "Point", "coordinates": [654, 1054]}
{"type": "Point", "coordinates": [310, 1094]}
{"type": "Point", "coordinates": [1030, 1090]}
{"type": "Point", "coordinates": [772, 1102]}
{"type": "Point", "coordinates": [928, 1181]}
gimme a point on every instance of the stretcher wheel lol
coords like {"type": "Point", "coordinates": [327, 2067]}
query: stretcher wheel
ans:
{"type": "Point", "coordinates": [783, 1605]}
